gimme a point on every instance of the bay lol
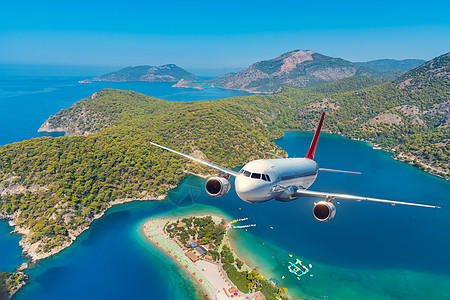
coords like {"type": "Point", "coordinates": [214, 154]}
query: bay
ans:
{"type": "Point", "coordinates": [368, 251]}
{"type": "Point", "coordinates": [27, 101]}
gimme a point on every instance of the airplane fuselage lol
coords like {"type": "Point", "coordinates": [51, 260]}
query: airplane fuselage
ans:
{"type": "Point", "coordinates": [275, 179]}
{"type": "Point", "coordinates": [282, 179]}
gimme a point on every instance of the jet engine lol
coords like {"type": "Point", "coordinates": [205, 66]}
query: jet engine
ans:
{"type": "Point", "coordinates": [324, 211]}
{"type": "Point", "coordinates": [217, 186]}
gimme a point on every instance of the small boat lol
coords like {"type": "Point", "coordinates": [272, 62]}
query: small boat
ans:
{"type": "Point", "coordinates": [271, 227]}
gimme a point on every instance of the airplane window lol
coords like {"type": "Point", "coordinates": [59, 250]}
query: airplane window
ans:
{"type": "Point", "coordinates": [268, 178]}
{"type": "Point", "coordinates": [246, 173]}
{"type": "Point", "coordinates": [263, 176]}
{"type": "Point", "coordinates": [256, 175]}
{"type": "Point", "coordinates": [241, 171]}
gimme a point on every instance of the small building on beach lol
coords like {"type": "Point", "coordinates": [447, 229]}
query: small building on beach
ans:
{"type": "Point", "coordinates": [201, 251]}
{"type": "Point", "coordinates": [191, 255]}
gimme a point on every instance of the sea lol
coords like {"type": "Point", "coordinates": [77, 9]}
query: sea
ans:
{"type": "Point", "coordinates": [368, 251]}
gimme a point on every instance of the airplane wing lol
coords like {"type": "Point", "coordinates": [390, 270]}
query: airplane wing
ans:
{"type": "Point", "coordinates": [207, 163]}
{"type": "Point", "coordinates": [339, 171]}
{"type": "Point", "coordinates": [308, 193]}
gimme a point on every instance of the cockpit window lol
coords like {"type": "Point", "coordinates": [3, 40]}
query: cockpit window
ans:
{"type": "Point", "coordinates": [264, 177]}
{"type": "Point", "coordinates": [256, 175]}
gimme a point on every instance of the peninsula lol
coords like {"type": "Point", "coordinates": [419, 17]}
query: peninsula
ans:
{"type": "Point", "coordinates": [201, 247]}
{"type": "Point", "coordinates": [188, 84]}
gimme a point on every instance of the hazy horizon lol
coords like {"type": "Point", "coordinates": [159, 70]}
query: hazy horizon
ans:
{"type": "Point", "coordinates": [210, 36]}
{"type": "Point", "coordinates": [95, 70]}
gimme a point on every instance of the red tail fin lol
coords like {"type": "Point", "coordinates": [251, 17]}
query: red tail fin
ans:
{"type": "Point", "coordinates": [312, 148]}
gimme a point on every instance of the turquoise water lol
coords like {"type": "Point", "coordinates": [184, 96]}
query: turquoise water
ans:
{"type": "Point", "coordinates": [369, 251]}
{"type": "Point", "coordinates": [10, 257]}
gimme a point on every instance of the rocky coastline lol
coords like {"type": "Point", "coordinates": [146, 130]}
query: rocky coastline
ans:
{"type": "Point", "coordinates": [31, 250]}
{"type": "Point", "coordinates": [188, 84]}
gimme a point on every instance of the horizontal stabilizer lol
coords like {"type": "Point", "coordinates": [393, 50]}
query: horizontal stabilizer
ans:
{"type": "Point", "coordinates": [339, 171]}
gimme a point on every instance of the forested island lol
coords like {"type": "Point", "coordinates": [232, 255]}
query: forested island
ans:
{"type": "Point", "coordinates": [165, 73]}
{"type": "Point", "coordinates": [52, 188]}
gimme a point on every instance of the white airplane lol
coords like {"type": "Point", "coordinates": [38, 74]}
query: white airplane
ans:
{"type": "Point", "coordinates": [281, 179]}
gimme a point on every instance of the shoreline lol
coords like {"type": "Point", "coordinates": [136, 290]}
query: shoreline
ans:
{"type": "Point", "coordinates": [401, 157]}
{"type": "Point", "coordinates": [207, 275]}
{"type": "Point", "coordinates": [30, 251]}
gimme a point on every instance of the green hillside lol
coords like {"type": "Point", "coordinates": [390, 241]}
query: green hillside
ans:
{"type": "Point", "coordinates": [56, 186]}
{"type": "Point", "coordinates": [392, 64]}
{"type": "Point", "coordinates": [166, 73]}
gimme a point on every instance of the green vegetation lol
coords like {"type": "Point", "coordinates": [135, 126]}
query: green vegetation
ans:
{"type": "Point", "coordinates": [201, 230]}
{"type": "Point", "coordinates": [65, 182]}
{"type": "Point", "coordinates": [166, 73]}
{"type": "Point", "coordinates": [204, 231]}
{"type": "Point", "coordinates": [71, 179]}
{"type": "Point", "coordinates": [249, 281]}
{"type": "Point", "coordinates": [296, 69]}
{"type": "Point", "coordinates": [392, 64]}
{"type": "Point", "coordinates": [10, 282]}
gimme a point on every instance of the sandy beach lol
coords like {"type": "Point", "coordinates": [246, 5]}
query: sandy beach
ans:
{"type": "Point", "coordinates": [208, 275]}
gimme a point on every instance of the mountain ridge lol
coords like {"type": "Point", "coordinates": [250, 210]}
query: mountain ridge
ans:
{"type": "Point", "coordinates": [392, 64]}
{"type": "Point", "coordinates": [298, 68]}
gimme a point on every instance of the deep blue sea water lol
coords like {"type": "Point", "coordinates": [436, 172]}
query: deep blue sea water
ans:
{"type": "Point", "coordinates": [27, 101]}
{"type": "Point", "coordinates": [369, 251]}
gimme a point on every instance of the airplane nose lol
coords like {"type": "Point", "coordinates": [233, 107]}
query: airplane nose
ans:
{"type": "Point", "coordinates": [244, 188]}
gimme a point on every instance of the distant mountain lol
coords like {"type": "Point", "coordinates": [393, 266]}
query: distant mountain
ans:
{"type": "Point", "coordinates": [408, 116]}
{"type": "Point", "coordinates": [392, 64]}
{"type": "Point", "coordinates": [166, 73]}
{"type": "Point", "coordinates": [297, 68]}
{"type": "Point", "coordinates": [437, 68]}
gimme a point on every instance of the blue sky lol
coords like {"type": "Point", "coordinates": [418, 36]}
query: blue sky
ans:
{"type": "Point", "coordinates": [215, 35]}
